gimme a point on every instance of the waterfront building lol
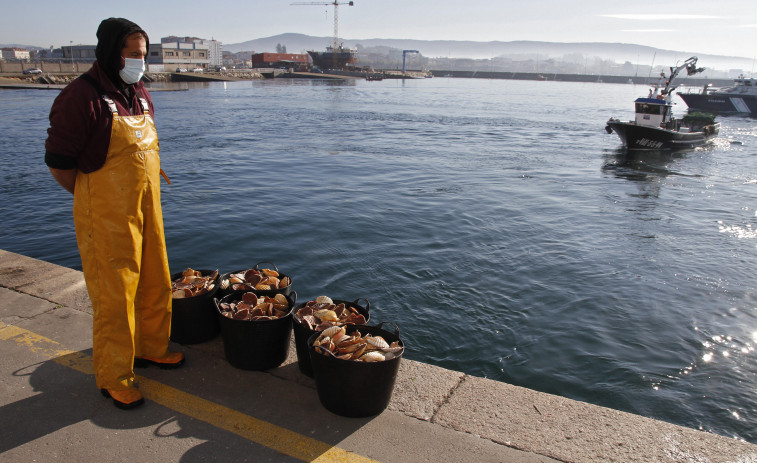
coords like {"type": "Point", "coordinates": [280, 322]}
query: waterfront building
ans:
{"type": "Point", "coordinates": [288, 60]}
{"type": "Point", "coordinates": [14, 53]}
{"type": "Point", "coordinates": [179, 53]}
{"type": "Point", "coordinates": [215, 53]}
{"type": "Point", "coordinates": [79, 52]}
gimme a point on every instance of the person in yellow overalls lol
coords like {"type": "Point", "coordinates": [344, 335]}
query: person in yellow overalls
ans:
{"type": "Point", "coordinates": [102, 146]}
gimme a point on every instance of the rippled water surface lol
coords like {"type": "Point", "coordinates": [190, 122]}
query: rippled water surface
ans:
{"type": "Point", "coordinates": [494, 221]}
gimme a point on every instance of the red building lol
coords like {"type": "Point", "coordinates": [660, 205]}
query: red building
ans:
{"type": "Point", "coordinates": [287, 60]}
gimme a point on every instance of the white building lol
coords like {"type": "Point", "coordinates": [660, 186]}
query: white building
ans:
{"type": "Point", "coordinates": [215, 53]}
{"type": "Point", "coordinates": [179, 52]}
{"type": "Point", "coordinates": [16, 54]}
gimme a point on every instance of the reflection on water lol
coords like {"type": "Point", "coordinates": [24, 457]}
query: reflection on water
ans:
{"type": "Point", "coordinates": [646, 165]}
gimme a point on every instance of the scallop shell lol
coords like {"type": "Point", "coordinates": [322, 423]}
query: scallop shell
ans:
{"type": "Point", "coordinates": [323, 300]}
{"type": "Point", "coordinates": [352, 348]}
{"type": "Point", "coordinates": [190, 272]}
{"type": "Point", "coordinates": [271, 281]}
{"type": "Point", "coordinates": [377, 342]}
{"type": "Point", "coordinates": [331, 331]}
{"type": "Point", "coordinates": [326, 315]}
{"type": "Point", "coordinates": [269, 272]}
{"type": "Point", "coordinates": [392, 350]}
{"type": "Point", "coordinates": [373, 356]}
{"type": "Point", "coordinates": [250, 298]}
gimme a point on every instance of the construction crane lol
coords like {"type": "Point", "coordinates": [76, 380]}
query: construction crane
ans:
{"type": "Point", "coordinates": [404, 54]}
{"type": "Point", "coordinates": [336, 4]}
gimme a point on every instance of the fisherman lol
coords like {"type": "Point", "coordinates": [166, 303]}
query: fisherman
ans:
{"type": "Point", "coordinates": [102, 147]}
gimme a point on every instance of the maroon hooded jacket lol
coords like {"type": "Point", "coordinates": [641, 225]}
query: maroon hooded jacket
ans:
{"type": "Point", "coordinates": [80, 121]}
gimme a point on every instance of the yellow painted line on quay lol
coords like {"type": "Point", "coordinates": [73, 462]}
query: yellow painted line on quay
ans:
{"type": "Point", "coordinates": [261, 432]}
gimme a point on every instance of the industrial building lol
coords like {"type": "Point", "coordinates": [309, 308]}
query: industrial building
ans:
{"type": "Point", "coordinates": [13, 53]}
{"type": "Point", "coordinates": [297, 61]}
{"type": "Point", "coordinates": [184, 52]}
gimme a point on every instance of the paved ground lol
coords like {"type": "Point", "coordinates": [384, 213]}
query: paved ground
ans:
{"type": "Point", "coordinates": [210, 411]}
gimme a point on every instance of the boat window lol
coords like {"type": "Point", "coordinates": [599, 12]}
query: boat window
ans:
{"type": "Point", "coordinates": [644, 108]}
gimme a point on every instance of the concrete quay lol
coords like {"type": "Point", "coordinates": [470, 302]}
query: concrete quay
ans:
{"type": "Point", "coordinates": [211, 411]}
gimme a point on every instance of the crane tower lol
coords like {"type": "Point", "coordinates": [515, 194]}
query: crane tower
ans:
{"type": "Point", "coordinates": [335, 4]}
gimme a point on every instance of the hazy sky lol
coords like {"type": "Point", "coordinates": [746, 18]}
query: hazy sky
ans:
{"type": "Point", "coordinates": [725, 27]}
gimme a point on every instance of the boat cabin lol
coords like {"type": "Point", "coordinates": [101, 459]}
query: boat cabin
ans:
{"type": "Point", "coordinates": [742, 85]}
{"type": "Point", "coordinates": [653, 112]}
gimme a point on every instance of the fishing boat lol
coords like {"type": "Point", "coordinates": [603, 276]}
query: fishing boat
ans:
{"type": "Point", "coordinates": [655, 128]}
{"type": "Point", "coordinates": [740, 98]}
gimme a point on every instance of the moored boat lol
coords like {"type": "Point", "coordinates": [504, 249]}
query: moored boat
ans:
{"type": "Point", "coordinates": [741, 98]}
{"type": "Point", "coordinates": [655, 128]}
{"type": "Point", "coordinates": [339, 58]}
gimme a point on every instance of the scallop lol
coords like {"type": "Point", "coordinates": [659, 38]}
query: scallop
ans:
{"type": "Point", "coordinates": [326, 315]}
{"type": "Point", "coordinates": [373, 356]}
{"type": "Point", "coordinates": [324, 300]}
{"type": "Point", "coordinates": [179, 294]}
{"type": "Point", "coordinates": [331, 331]}
{"type": "Point", "coordinates": [377, 342]}
{"type": "Point", "coordinates": [269, 272]}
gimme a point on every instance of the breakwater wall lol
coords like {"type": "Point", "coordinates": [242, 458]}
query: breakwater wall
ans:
{"type": "Point", "coordinates": [57, 67]}
{"type": "Point", "coordinates": [643, 80]}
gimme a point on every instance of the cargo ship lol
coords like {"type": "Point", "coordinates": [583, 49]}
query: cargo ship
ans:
{"type": "Point", "coordinates": [341, 59]}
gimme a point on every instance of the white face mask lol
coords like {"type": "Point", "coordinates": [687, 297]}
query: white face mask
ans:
{"type": "Point", "coordinates": [132, 71]}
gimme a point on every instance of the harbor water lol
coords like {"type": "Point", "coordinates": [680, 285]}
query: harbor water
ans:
{"type": "Point", "coordinates": [494, 221]}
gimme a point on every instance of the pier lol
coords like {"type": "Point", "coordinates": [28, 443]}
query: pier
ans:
{"type": "Point", "coordinates": [208, 410]}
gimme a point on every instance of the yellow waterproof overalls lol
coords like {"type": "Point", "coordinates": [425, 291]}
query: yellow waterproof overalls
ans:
{"type": "Point", "coordinates": [119, 230]}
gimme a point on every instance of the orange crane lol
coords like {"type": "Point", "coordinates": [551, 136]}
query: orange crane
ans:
{"type": "Point", "coordinates": [335, 4]}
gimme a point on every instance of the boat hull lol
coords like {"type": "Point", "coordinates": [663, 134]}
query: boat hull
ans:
{"type": "Point", "coordinates": [640, 137]}
{"type": "Point", "coordinates": [720, 103]}
{"type": "Point", "coordinates": [331, 60]}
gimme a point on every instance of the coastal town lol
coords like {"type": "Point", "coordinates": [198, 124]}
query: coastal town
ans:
{"type": "Point", "coordinates": [171, 54]}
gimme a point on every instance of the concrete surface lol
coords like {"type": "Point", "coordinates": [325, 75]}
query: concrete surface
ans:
{"type": "Point", "coordinates": [210, 411]}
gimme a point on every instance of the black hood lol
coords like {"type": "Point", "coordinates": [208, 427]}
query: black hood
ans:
{"type": "Point", "coordinates": [111, 37]}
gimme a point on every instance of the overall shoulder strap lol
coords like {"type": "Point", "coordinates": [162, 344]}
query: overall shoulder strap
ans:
{"type": "Point", "coordinates": [145, 106]}
{"type": "Point", "coordinates": [111, 104]}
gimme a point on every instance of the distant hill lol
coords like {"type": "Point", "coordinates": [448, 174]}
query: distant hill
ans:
{"type": "Point", "coordinates": [618, 52]}
{"type": "Point", "coordinates": [17, 45]}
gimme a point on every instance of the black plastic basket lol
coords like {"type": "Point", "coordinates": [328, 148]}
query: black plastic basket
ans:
{"type": "Point", "coordinates": [194, 319]}
{"type": "Point", "coordinates": [354, 388]}
{"type": "Point", "coordinates": [255, 344]}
